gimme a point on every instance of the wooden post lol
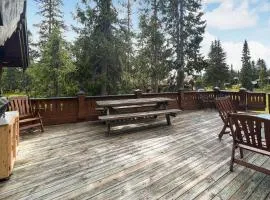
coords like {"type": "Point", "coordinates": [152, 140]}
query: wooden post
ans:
{"type": "Point", "coordinates": [138, 93]}
{"type": "Point", "coordinates": [216, 91]}
{"type": "Point", "coordinates": [243, 99]}
{"type": "Point", "coordinates": [268, 103]}
{"type": "Point", "coordinates": [180, 98]}
{"type": "Point", "coordinates": [81, 106]}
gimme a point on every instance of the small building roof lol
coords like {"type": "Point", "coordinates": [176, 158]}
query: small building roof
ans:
{"type": "Point", "coordinates": [13, 34]}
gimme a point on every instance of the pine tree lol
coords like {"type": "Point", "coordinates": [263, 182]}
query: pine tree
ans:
{"type": "Point", "coordinates": [246, 71]}
{"type": "Point", "coordinates": [262, 72]}
{"type": "Point", "coordinates": [53, 74]}
{"type": "Point", "coordinates": [255, 71]}
{"type": "Point", "coordinates": [54, 61]}
{"type": "Point", "coordinates": [52, 17]}
{"type": "Point", "coordinates": [217, 72]}
{"type": "Point", "coordinates": [185, 26]}
{"type": "Point", "coordinates": [153, 52]}
{"type": "Point", "coordinates": [233, 74]}
{"type": "Point", "coordinates": [99, 47]}
{"type": "Point", "coordinates": [127, 80]}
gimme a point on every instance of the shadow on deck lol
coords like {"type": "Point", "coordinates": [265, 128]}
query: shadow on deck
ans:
{"type": "Point", "coordinates": [182, 161]}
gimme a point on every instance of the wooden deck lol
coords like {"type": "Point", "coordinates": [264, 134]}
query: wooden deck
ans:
{"type": "Point", "coordinates": [182, 161]}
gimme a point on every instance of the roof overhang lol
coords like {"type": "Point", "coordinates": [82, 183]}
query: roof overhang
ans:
{"type": "Point", "coordinates": [13, 34]}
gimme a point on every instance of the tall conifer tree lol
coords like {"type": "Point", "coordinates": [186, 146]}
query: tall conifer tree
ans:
{"type": "Point", "coordinates": [246, 71]}
{"type": "Point", "coordinates": [153, 50]}
{"type": "Point", "coordinates": [186, 27]}
{"type": "Point", "coordinates": [217, 72]}
{"type": "Point", "coordinates": [261, 65]}
{"type": "Point", "coordinates": [52, 17]}
{"type": "Point", "coordinates": [99, 47]}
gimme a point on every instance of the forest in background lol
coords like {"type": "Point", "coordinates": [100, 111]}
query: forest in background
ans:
{"type": "Point", "coordinates": [109, 56]}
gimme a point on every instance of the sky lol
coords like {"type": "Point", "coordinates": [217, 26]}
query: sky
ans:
{"type": "Point", "coordinates": [231, 21]}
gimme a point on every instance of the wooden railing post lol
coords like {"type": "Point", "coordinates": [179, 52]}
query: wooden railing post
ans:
{"type": "Point", "coordinates": [243, 99]}
{"type": "Point", "coordinates": [216, 92]}
{"type": "Point", "coordinates": [81, 106]}
{"type": "Point", "coordinates": [138, 93]}
{"type": "Point", "coordinates": [180, 98]}
{"type": "Point", "coordinates": [268, 103]}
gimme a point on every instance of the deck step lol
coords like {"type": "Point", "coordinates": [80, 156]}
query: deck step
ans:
{"type": "Point", "coordinates": [138, 114]}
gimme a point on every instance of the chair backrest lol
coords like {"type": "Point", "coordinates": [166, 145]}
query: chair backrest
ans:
{"type": "Point", "coordinates": [249, 130]}
{"type": "Point", "coordinates": [224, 106]}
{"type": "Point", "coordinates": [21, 104]}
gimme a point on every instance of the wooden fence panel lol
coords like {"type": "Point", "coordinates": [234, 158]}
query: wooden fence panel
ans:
{"type": "Point", "coordinates": [82, 108]}
{"type": "Point", "coordinates": [256, 101]}
{"type": "Point", "coordinates": [57, 110]}
{"type": "Point", "coordinates": [190, 101]}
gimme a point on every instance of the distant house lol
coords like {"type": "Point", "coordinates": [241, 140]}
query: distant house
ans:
{"type": "Point", "coordinates": [13, 34]}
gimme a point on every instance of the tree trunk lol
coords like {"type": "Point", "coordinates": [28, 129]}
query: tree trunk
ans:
{"type": "Point", "coordinates": [106, 29]}
{"type": "Point", "coordinates": [154, 75]}
{"type": "Point", "coordinates": [180, 73]}
{"type": "Point", "coordinates": [1, 76]}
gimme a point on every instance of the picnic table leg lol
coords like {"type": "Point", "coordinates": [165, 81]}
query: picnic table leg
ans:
{"type": "Point", "coordinates": [164, 105]}
{"type": "Point", "coordinates": [168, 119]}
{"type": "Point", "coordinates": [108, 128]}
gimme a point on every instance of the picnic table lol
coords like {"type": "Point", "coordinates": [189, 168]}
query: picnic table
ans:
{"type": "Point", "coordinates": [135, 109]}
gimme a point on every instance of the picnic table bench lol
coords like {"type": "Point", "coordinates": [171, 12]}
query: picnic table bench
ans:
{"type": "Point", "coordinates": [134, 109]}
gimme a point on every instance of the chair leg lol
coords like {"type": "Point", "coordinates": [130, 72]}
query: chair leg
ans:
{"type": "Point", "coordinates": [232, 158]}
{"type": "Point", "coordinates": [41, 126]}
{"type": "Point", "coordinates": [222, 132]}
{"type": "Point", "coordinates": [41, 123]}
{"type": "Point", "coordinates": [241, 152]}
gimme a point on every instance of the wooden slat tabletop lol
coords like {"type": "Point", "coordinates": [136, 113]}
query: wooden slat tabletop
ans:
{"type": "Point", "coordinates": [126, 102]}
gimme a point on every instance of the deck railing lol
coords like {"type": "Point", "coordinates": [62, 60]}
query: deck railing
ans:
{"type": "Point", "coordinates": [82, 108]}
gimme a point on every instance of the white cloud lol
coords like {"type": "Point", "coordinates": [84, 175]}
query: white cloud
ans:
{"type": "Point", "coordinates": [231, 14]}
{"type": "Point", "coordinates": [234, 50]}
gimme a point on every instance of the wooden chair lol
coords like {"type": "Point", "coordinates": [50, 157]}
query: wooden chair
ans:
{"type": "Point", "coordinates": [251, 133]}
{"type": "Point", "coordinates": [29, 119]}
{"type": "Point", "coordinates": [224, 106]}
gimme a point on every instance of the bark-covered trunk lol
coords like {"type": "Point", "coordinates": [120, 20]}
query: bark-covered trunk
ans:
{"type": "Point", "coordinates": [107, 32]}
{"type": "Point", "coordinates": [180, 44]}
{"type": "Point", "coordinates": [1, 75]}
{"type": "Point", "coordinates": [128, 35]}
{"type": "Point", "coordinates": [155, 49]}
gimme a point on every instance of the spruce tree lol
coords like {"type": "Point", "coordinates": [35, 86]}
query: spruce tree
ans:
{"type": "Point", "coordinates": [153, 52]}
{"type": "Point", "coordinates": [217, 72]}
{"type": "Point", "coordinates": [246, 71]}
{"type": "Point", "coordinates": [52, 17]}
{"type": "Point", "coordinates": [99, 47]}
{"type": "Point", "coordinates": [127, 80]}
{"type": "Point", "coordinates": [54, 65]}
{"type": "Point", "coordinates": [262, 72]}
{"type": "Point", "coordinates": [233, 74]}
{"type": "Point", "coordinates": [255, 70]}
{"type": "Point", "coordinates": [53, 74]}
{"type": "Point", "coordinates": [184, 23]}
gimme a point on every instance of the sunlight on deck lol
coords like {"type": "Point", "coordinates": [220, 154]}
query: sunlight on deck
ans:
{"type": "Point", "coordinates": [142, 161]}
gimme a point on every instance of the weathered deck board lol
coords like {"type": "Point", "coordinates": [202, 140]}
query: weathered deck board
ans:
{"type": "Point", "coordinates": [182, 161]}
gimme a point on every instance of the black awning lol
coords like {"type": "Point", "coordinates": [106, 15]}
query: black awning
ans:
{"type": "Point", "coordinates": [13, 34]}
